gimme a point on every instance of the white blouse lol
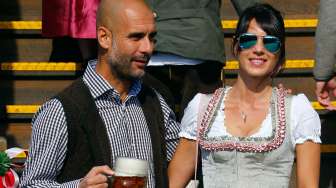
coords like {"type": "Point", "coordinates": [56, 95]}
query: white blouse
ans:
{"type": "Point", "coordinates": [304, 121]}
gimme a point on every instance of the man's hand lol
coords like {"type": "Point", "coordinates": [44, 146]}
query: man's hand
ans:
{"type": "Point", "coordinates": [96, 177]}
{"type": "Point", "coordinates": [324, 91]}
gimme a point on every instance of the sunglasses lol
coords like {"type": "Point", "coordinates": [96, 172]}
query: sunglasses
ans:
{"type": "Point", "coordinates": [248, 40]}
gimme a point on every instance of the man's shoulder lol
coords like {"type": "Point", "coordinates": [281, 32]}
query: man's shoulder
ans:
{"type": "Point", "coordinates": [72, 89]}
{"type": "Point", "coordinates": [51, 109]}
{"type": "Point", "coordinates": [52, 104]}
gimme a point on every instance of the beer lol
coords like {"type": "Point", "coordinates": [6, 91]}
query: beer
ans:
{"type": "Point", "coordinates": [129, 182]}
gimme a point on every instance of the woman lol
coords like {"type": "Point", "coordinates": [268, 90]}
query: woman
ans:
{"type": "Point", "coordinates": [249, 133]}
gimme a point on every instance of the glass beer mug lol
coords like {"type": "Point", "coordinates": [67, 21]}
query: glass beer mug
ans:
{"type": "Point", "coordinates": [130, 173]}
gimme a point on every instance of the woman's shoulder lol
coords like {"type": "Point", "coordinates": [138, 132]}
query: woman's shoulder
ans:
{"type": "Point", "coordinates": [301, 107]}
{"type": "Point", "coordinates": [207, 96]}
{"type": "Point", "coordinates": [301, 101]}
{"type": "Point", "coordinates": [305, 120]}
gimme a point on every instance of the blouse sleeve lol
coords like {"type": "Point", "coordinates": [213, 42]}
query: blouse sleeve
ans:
{"type": "Point", "coordinates": [306, 121]}
{"type": "Point", "coordinates": [189, 120]}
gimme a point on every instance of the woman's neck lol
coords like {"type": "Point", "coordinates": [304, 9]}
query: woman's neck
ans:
{"type": "Point", "coordinates": [252, 90]}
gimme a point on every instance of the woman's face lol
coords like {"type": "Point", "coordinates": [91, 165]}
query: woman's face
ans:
{"type": "Point", "coordinates": [257, 61]}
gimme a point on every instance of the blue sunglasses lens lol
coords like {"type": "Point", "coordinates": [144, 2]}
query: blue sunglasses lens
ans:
{"type": "Point", "coordinates": [247, 41]}
{"type": "Point", "coordinates": [271, 43]}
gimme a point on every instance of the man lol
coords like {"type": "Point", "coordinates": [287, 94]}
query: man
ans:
{"type": "Point", "coordinates": [324, 70]}
{"type": "Point", "coordinates": [189, 53]}
{"type": "Point", "coordinates": [108, 113]}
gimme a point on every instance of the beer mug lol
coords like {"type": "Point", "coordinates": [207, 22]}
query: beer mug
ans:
{"type": "Point", "coordinates": [130, 173]}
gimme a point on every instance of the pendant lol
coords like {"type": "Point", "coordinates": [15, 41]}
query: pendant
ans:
{"type": "Point", "coordinates": [243, 116]}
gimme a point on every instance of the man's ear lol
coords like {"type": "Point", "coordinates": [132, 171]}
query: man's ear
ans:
{"type": "Point", "coordinates": [104, 37]}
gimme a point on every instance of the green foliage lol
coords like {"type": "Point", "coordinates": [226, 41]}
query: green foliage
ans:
{"type": "Point", "coordinates": [4, 163]}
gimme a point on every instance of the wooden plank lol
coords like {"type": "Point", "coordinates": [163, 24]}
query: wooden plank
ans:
{"type": "Point", "coordinates": [17, 25]}
{"type": "Point", "coordinates": [39, 49]}
{"type": "Point", "coordinates": [74, 66]}
{"type": "Point", "coordinates": [20, 10]}
{"type": "Point", "coordinates": [289, 64]}
{"type": "Point", "coordinates": [328, 148]}
{"type": "Point", "coordinates": [289, 23]}
{"type": "Point", "coordinates": [32, 9]}
{"type": "Point", "coordinates": [25, 49]}
{"type": "Point", "coordinates": [30, 91]}
{"type": "Point", "coordinates": [226, 24]}
{"type": "Point", "coordinates": [18, 134]}
{"type": "Point", "coordinates": [40, 66]}
{"type": "Point", "coordinates": [31, 109]}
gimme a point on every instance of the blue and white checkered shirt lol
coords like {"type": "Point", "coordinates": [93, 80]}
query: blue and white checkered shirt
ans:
{"type": "Point", "coordinates": [126, 128]}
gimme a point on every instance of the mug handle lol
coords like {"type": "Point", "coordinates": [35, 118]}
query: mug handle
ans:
{"type": "Point", "coordinates": [110, 180]}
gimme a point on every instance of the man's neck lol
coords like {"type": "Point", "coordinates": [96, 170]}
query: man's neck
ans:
{"type": "Point", "coordinates": [122, 86]}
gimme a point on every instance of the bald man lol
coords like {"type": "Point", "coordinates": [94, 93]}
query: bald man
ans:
{"type": "Point", "coordinates": [108, 113]}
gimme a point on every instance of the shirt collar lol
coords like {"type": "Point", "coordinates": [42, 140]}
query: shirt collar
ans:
{"type": "Point", "coordinates": [99, 86]}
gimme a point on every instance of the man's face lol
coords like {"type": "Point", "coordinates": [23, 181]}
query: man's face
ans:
{"type": "Point", "coordinates": [132, 44]}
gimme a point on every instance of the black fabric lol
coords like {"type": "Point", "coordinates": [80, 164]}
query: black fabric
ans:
{"type": "Point", "coordinates": [199, 172]}
{"type": "Point", "coordinates": [161, 88]}
{"type": "Point", "coordinates": [153, 113]}
{"type": "Point", "coordinates": [185, 81]}
{"type": "Point", "coordinates": [88, 143]}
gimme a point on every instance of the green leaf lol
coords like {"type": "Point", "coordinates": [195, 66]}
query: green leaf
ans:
{"type": "Point", "coordinates": [4, 163]}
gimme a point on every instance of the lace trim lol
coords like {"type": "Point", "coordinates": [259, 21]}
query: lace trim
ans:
{"type": "Point", "coordinates": [244, 144]}
{"type": "Point", "coordinates": [314, 138]}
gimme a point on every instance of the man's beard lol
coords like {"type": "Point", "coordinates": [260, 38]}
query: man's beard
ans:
{"type": "Point", "coordinates": [121, 65]}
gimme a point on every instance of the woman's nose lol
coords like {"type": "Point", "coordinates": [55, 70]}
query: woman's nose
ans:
{"type": "Point", "coordinates": [259, 46]}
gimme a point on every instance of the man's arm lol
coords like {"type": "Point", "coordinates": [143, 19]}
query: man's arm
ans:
{"type": "Point", "coordinates": [48, 149]}
{"type": "Point", "coordinates": [325, 59]}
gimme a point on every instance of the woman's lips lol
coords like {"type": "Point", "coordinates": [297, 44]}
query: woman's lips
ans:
{"type": "Point", "coordinates": [257, 61]}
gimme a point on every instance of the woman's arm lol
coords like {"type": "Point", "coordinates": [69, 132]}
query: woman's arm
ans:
{"type": "Point", "coordinates": [181, 167]}
{"type": "Point", "coordinates": [308, 164]}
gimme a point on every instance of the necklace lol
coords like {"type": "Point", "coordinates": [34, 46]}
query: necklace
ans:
{"type": "Point", "coordinates": [243, 116]}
